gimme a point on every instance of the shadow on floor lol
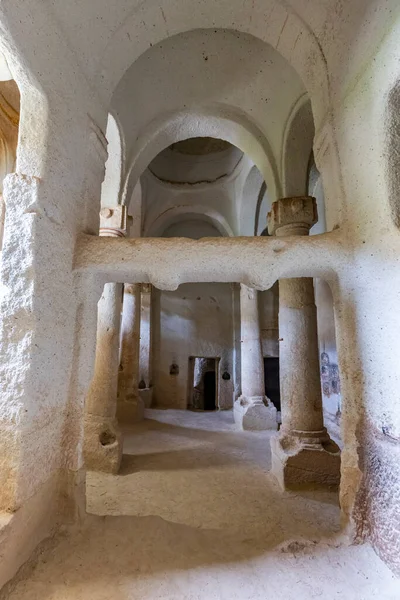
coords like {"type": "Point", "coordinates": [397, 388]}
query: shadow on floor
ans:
{"type": "Point", "coordinates": [227, 440]}
{"type": "Point", "coordinates": [223, 448]}
{"type": "Point", "coordinates": [196, 516]}
{"type": "Point", "coordinates": [113, 557]}
{"type": "Point", "coordinates": [187, 458]}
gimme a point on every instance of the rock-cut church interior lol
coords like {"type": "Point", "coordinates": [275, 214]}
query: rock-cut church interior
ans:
{"type": "Point", "coordinates": [199, 299]}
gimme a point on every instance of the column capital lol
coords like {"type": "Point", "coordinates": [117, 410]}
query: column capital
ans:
{"type": "Point", "coordinates": [146, 288]}
{"type": "Point", "coordinates": [251, 292]}
{"type": "Point", "coordinates": [113, 221]}
{"type": "Point", "coordinates": [131, 288]}
{"type": "Point", "coordinates": [292, 216]}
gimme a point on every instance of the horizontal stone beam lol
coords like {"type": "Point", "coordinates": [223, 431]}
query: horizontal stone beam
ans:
{"type": "Point", "coordinates": [168, 262]}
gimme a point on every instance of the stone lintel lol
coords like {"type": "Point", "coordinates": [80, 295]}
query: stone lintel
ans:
{"type": "Point", "coordinates": [166, 263]}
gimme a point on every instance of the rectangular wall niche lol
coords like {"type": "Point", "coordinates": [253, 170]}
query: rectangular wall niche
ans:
{"type": "Point", "coordinates": [203, 383]}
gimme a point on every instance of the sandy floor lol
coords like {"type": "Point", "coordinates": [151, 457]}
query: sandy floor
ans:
{"type": "Point", "coordinates": [195, 515]}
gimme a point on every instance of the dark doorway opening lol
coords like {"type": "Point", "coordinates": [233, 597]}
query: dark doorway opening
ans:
{"type": "Point", "coordinates": [271, 380]}
{"type": "Point", "coordinates": [210, 388]}
{"type": "Point", "coordinates": [203, 383]}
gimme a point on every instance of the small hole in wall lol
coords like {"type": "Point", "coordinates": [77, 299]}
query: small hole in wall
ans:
{"type": "Point", "coordinates": [174, 369]}
{"type": "Point", "coordinates": [226, 376]}
{"type": "Point", "coordinates": [142, 384]}
{"type": "Point", "coordinates": [107, 438]}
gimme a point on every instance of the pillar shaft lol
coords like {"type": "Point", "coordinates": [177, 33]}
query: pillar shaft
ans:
{"type": "Point", "coordinates": [145, 361]}
{"type": "Point", "coordinates": [252, 410]}
{"type": "Point", "coordinates": [130, 333]}
{"type": "Point", "coordinates": [130, 407]}
{"type": "Point", "coordinates": [299, 357]}
{"type": "Point", "coordinates": [303, 454]}
{"type": "Point", "coordinates": [103, 440]}
{"type": "Point", "coordinates": [252, 360]}
{"type": "Point", "coordinates": [103, 390]}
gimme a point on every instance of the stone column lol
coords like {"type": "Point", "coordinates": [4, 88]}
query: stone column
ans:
{"type": "Point", "coordinates": [130, 406]}
{"type": "Point", "coordinates": [303, 454]}
{"type": "Point", "coordinates": [145, 375]}
{"type": "Point", "coordinates": [252, 410]}
{"type": "Point", "coordinates": [103, 440]}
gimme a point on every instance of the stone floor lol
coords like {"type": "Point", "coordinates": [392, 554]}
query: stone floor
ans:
{"type": "Point", "coordinates": [195, 515]}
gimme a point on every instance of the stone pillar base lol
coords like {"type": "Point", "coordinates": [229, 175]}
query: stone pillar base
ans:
{"type": "Point", "coordinates": [130, 411]}
{"type": "Point", "coordinates": [103, 444]}
{"type": "Point", "coordinates": [251, 414]}
{"type": "Point", "coordinates": [300, 465]}
{"type": "Point", "coordinates": [146, 396]}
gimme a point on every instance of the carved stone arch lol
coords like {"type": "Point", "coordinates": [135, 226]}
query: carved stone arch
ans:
{"type": "Point", "coordinates": [278, 24]}
{"type": "Point", "coordinates": [185, 213]}
{"type": "Point", "coordinates": [218, 121]}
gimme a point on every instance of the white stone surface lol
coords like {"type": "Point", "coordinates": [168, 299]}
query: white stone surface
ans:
{"type": "Point", "coordinates": [251, 414]}
{"type": "Point", "coordinates": [236, 74]}
{"type": "Point", "coordinates": [103, 444]}
{"type": "Point", "coordinates": [68, 61]}
{"type": "Point", "coordinates": [253, 410]}
{"type": "Point", "coordinates": [128, 378]}
{"type": "Point", "coordinates": [221, 529]}
{"type": "Point", "coordinates": [167, 203]}
{"type": "Point", "coordinates": [196, 320]}
{"type": "Point", "coordinates": [257, 262]}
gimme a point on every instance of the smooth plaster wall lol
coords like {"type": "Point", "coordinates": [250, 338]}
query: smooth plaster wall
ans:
{"type": "Point", "coordinates": [195, 320]}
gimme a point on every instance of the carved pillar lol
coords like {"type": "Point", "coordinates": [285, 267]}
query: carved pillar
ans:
{"type": "Point", "coordinates": [302, 453]}
{"type": "Point", "coordinates": [103, 440]}
{"type": "Point", "coordinates": [145, 374]}
{"type": "Point", "coordinates": [252, 410]}
{"type": "Point", "coordinates": [130, 406]}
